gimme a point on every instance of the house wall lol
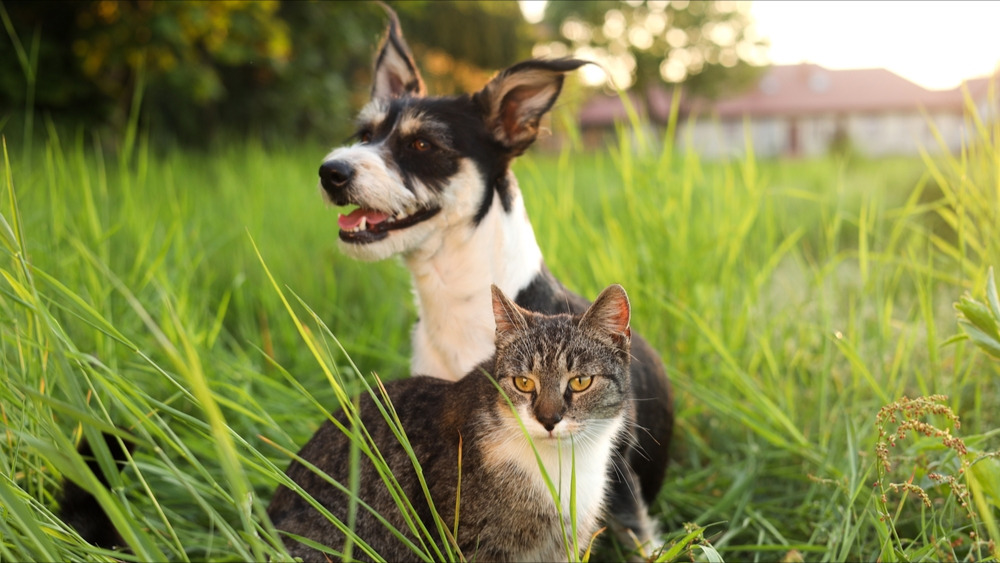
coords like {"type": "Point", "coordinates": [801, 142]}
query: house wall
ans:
{"type": "Point", "coordinates": [710, 139]}
{"type": "Point", "coordinates": [771, 136]}
{"type": "Point", "coordinates": [816, 134]}
{"type": "Point", "coordinates": [887, 133]}
{"type": "Point", "coordinates": [874, 134]}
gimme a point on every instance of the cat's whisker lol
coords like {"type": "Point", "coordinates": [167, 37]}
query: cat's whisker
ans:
{"type": "Point", "coordinates": [638, 399]}
{"type": "Point", "coordinates": [621, 472]}
{"type": "Point", "coordinates": [636, 443]}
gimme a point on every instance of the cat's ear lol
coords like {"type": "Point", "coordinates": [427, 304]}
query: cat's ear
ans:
{"type": "Point", "coordinates": [609, 315]}
{"type": "Point", "coordinates": [396, 74]}
{"type": "Point", "coordinates": [507, 314]}
{"type": "Point", "coordinates": [515, 100]}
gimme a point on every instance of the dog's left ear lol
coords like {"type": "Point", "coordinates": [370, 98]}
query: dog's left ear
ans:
{"type": "Point", "coordinates": [396, 74]}
{"type": "Point", "coordinates": [515, 100]}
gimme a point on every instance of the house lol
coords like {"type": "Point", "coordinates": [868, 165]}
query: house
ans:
{"type": "Point", "coordinates": [808, 110]}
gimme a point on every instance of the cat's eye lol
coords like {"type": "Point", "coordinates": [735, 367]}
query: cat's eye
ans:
{"type": "Point", "coordinates": [524, 384]}
{"type": "Point", "coordinates": [580, 383]}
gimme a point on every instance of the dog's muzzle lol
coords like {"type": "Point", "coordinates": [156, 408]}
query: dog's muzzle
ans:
{"type": "Point", "coordinates": [335, 176]}
{"type": "Point", "coordinates": [364, 224]}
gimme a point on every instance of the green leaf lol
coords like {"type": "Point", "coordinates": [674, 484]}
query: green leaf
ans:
{"type": "Point", "coordinates": [977, 315]}
{"type": "Point", "coordinates": [711, 554]}
{"type": "Point", "coordinates": [991, 294]}
{"type": "Point", "coordinates": [986, 471]}
{"type": "Point", "coordinates": [677, 548]}
{"type": "Point", "coordinates": [980, 321]}
{"type": "Point", "coordinates": [987, 342]}
{"type": "Point", "coordinates": [984, 483]}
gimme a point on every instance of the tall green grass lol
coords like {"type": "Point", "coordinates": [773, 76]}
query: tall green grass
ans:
{"type": "Point", "coordinates": [791, 301]}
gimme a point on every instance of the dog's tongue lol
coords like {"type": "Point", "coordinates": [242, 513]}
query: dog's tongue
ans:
{"type": "Point", "coordinates": [353, 219]}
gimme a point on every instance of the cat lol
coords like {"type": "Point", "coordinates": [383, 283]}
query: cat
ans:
{"type": "Point", "coordinates": [567, 379]}
{"type": "Point", "coordinates": [79, 509]}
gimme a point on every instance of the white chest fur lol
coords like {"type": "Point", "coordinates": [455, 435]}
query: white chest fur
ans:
{"type": "Point", "coordinates": [452, 273]}
{"type": "Point", "coordinates": [578, 471]}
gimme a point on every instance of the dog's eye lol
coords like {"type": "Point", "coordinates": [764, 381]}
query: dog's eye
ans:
{"type": "Point", "coordinates": [365, 136]}
{"type": "Point", "coordinates": [420, 145]}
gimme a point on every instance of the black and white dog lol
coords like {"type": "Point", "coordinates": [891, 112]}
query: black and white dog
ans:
{"type": "Point", "coordinates": [430, 181]}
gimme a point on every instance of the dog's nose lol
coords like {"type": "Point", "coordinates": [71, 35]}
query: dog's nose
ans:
{"type": "Point", "coordinates": [335, 175]}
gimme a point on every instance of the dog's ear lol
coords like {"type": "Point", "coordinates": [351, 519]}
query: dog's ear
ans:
{"type": "Point", "coordinates": [515, 100]}
{"type": "Point", "coordinates": [396, 74]}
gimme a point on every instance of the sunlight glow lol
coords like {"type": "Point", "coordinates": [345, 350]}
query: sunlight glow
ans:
{"type": "Point", "coordinates": [935, 44]}
{"type": "Point", "coordinates": [533, 10]}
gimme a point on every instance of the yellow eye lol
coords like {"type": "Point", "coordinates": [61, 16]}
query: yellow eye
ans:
{"type": "Point", "coordinates": [420, 145]}
{"type": "Point", "coordinates": [524, 384]}
{"type": "Point", "coordinates": [580, 383]}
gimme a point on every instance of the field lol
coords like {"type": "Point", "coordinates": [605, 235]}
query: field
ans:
{"type": "Point", "coordinates": [197, 301]}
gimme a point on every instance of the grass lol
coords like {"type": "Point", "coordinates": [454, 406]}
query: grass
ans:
{"type": "Point", "coordinates": [792, 302]}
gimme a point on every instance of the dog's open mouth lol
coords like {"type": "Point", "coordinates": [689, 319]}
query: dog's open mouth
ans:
{"type": "Point", "coordinates": [367, 225]}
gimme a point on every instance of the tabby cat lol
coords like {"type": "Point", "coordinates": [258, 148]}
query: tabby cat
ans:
{"type": "Point", "coordinates": [567, 379]}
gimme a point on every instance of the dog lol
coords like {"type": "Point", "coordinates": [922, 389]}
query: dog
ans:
{"type": "Point", "coordinates": [429, 180]}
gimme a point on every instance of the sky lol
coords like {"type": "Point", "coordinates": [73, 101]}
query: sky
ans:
{"type": "Point", "coordinates": [934, 44]}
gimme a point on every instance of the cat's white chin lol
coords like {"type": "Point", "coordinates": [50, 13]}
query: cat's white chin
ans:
{"type": "Point", "coordinates": [547, 439]}
{"type": "Point", "coordinates": [555, 437]}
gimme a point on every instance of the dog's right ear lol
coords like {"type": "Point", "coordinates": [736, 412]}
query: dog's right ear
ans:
{"type": "Point", "coordinates": [515, 100]}
{"type": "Point", "coordinates": [396, 74]}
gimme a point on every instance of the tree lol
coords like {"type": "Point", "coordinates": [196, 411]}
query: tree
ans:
{"type": "Point", "coordinates": [275, 69]}
{"type": "Point", "coordinates": [459, 44]}
{"type": "Point", "coordinates": [92, 56]}
{"type": "Point", "coordinates": [710, 47]}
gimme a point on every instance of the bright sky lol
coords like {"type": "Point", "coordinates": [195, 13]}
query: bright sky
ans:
{"type": "Point", "coordinates": [935, 44]}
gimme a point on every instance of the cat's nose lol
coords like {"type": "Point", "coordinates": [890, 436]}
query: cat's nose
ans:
{"type": "Point", "coordinates": [549, 421]}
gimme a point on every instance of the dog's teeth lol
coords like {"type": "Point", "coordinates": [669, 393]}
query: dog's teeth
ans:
{"type": "Point", "coordinates": [363, 226]}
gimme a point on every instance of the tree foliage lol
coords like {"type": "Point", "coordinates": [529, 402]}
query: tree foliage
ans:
{"type": "Point", "coordinates": [283, 69]}
{"type": "Point", "coordinates": [239, 67]}
{"type": "Point", "coordinates": [709, 46]}
{"type": "Point", "coordinates": [91, 56]}
{"type": "Point", "coordinates": [459, 44]}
